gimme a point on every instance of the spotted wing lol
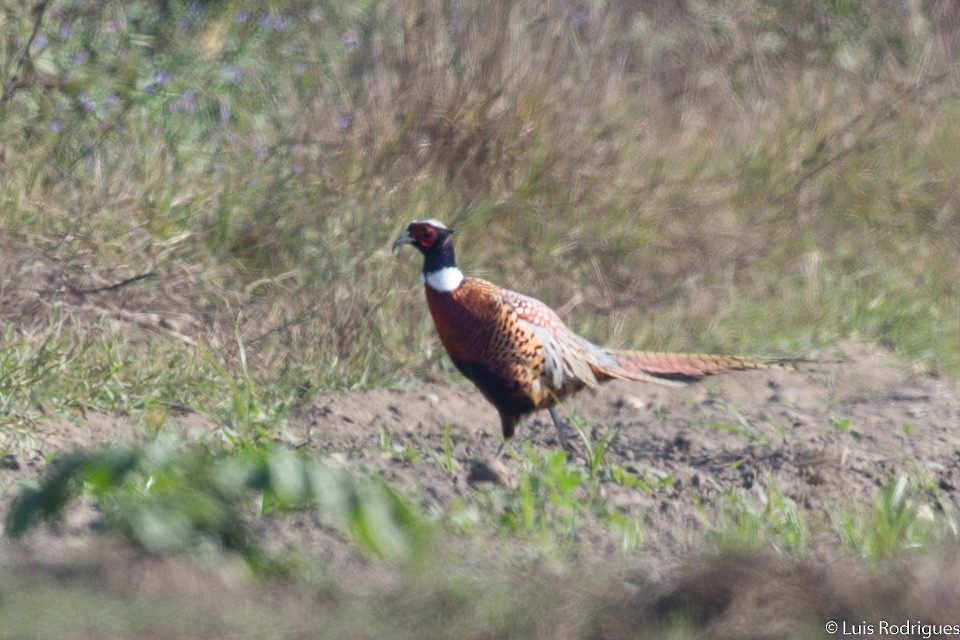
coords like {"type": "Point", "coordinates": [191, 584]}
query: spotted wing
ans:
{"type": "Point", "coordinates": [569, 359]}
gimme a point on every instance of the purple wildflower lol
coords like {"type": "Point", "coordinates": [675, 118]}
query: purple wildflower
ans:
{"type": "Point", "coordinates": [80, 58]}
{"type": "Point", "coordinates": [55, 126]}
{"type": "Point", "coordinates": [344, 121]}
{"type": "Point", "coordinates": [159, 79]}
{"type": "Point", "coordinates": [187, 102]}
{"type": "Point", "coordinates": [231, 74]}
{"type": "Point", "coordinates": [578, 17]}
{"type": "Point", "coordinates": [276, 22]}
{"type": "Point", "coordinates": [350, 40]}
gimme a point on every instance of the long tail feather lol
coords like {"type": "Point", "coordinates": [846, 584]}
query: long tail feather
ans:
{"type": "Point", "coordinates": [650, 366]}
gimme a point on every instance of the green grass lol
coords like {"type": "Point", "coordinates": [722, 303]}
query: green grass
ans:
{"type": "Point", "coordinates": [761, 519]}
{"type": "Point", "coordinates": [258, 164]}
{"type": "Point", "coordinates": [903, 517]}
{"type": "Point", "coordinates": [900, 517]}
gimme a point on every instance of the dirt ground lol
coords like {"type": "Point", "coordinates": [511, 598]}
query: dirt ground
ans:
{"type": "Point", "coordinates": [830, 434]}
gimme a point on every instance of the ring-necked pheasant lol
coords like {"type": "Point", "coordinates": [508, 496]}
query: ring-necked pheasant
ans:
{"type": "Point", "coordinates": [518, 351]}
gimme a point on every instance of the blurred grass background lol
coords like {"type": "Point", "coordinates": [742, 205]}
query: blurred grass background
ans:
{"type": "Point", "coordinates": [735, 175]}
{"type": "Point", "coordinates": [197, 201]}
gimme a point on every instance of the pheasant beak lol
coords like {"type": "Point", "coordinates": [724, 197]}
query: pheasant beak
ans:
{"type": "Point", "coordinates": [402, 239]}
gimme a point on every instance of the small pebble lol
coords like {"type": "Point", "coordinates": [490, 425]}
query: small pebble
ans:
{"type": "Point", "coordinates": [492, 470]}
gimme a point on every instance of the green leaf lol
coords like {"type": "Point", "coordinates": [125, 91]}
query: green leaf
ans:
{"type": "Point", "coordinates": [287, 479]}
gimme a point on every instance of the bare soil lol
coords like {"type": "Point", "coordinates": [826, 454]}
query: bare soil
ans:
{"type": "Point", "coordinates": [824, 436]}
{"type": "Point", "coordinates": [829, 435]}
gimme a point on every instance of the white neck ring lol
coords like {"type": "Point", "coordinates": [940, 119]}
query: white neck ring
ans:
{"type": "Point", "coordinates": [443, 280]}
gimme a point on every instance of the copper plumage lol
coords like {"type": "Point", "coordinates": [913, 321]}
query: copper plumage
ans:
{"type": "Point", "coordinates": [518, 351]}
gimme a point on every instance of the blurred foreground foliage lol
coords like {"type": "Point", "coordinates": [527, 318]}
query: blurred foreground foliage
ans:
{"type": "Point", "coordinates": [166, 498]}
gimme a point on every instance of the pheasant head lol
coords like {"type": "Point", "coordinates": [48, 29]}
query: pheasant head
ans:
{"type": "Point", "coordinates": [434, 240]}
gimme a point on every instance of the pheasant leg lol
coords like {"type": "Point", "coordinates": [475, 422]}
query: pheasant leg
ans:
{"type": "Point", "coordinates": [562, 429]}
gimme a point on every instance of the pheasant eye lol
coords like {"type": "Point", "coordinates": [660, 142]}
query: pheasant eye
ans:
{"type": "Point", "coordinates": [426, 236]}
